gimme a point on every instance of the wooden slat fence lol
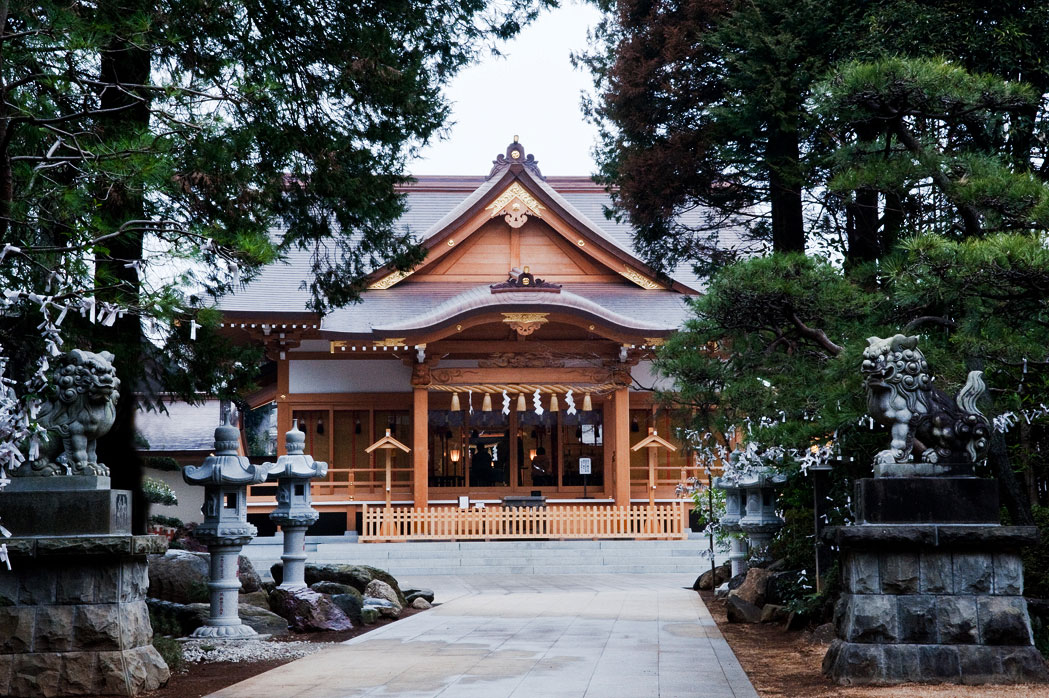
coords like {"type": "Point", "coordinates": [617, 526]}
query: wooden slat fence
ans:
{"type": "Point", "coordinates": [662, 521]}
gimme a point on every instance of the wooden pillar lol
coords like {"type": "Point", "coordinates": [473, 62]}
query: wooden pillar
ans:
{"type": "Point", "coordinates": [283, 408]}
{"type": "Point", "coordinates": [420, 446]}
{"type": "Point", "coordinates": [622, 446]}
{"type": "Point", "coordinates": [651, 476]}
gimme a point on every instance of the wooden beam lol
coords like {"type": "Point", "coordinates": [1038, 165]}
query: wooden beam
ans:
{"type": "Point", "coordinates": [468, 376]}
{"type": "Point", "coordinates": [420, 446]}
{"type": "Point", "coordinates": [622, 446]}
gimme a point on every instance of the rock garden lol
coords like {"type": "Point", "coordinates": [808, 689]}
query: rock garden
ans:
{"type": "Point", "coordinates": [341, 601]}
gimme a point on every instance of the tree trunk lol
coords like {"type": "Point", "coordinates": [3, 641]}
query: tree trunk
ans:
{"type": "Point", "coordinates": [783, 155]}
{"type": "Point", "coordinates": [1012, 495]}
{"type": "Point", "coordinates": [864, 243]}
{"type": "Point", "coordinates": [124, 62]}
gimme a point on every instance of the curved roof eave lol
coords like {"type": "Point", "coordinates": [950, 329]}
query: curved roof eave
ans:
{"type": "Point", "coordinates": [480, 299]}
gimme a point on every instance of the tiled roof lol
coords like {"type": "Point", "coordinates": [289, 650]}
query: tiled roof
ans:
{"type": "Point", "coordinates": [184, 427]}
{"type": "Point", "coordinates": [419, 302]}
{"type": "Point", "coordinates": [432, 204]}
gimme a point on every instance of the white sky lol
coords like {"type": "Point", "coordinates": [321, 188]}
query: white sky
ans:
{"type": "Point", "coordinates": [531, 91]}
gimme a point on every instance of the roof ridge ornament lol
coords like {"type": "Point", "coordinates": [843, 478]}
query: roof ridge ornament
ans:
{"type": "Point", "coordinates": [515, 155]}
{"type": "Point", "coordinates": [524, 281]}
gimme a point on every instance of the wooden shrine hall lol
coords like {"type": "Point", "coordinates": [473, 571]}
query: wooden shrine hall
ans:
{"type": "Point", "coordinates": [512, 367]}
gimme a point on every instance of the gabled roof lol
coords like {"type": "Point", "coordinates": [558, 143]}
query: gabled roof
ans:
{"type": "Point", "coordinates": [435, 206]}
{"type": "Point", "coordinates": [516, 177]}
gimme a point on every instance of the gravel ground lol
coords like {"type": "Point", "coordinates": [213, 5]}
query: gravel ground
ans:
{"type": "Point", "coordinates": [209, 650]}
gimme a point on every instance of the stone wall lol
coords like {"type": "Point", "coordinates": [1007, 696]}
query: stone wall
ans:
{"type": "Point", "coordinates": [933, 615]}
{"type": "Point", "coordinates": [74, 622]}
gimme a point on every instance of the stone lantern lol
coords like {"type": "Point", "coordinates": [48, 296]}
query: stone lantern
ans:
{"type": "Point", "coordinates": [735, 505]}
{"type": "Point", "coordinates": [225, 477]}
{"type": "Point", "coordinates": [760, 521]}
{"type": "Point", "coordinates": [293, 513]}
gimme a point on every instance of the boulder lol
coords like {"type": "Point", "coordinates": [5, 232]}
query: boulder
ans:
{"type": "Point", "coordinates": [307, 611]}
{"type": "Point", "coordinates": [411, 595]}
{"type": "Point", "coordinates": [356, 576]}
{"type": "Point", "coordinates": [179, 576]}
{"type": "Point", "coordinates": [259, 599]}
{"type": "Point", "coordinates": [722, 591]}
{"type": "Point", "coordinates": [369, 615]}
{"type": "Point", "coordinates": [740, 611]}
{"type": "Point", "coordinates": [262, 620]}
{"type": "Point", "coordinates": [712, 578]}
{"type": "Point", "coordinates": [189, 617]}
{"type": "Point", "coordinates": [333, 588]}
{"type": "Point", "coordinates": [421, 603]}
{"type": "Point", "coordinates": [249, 579]}
{"type": "Point", "coordinates": [782, 587]}
{"type": "Point", "coordinates": [383, 607]}
{"type": "Point", "coordinates": [350, 604]}
{"type": "Point", "coordinates": [774, 613]}
{"type": "Point", "coordinates": [753, 588]}
{"type": "Point", "coordinates": [823, 634]}
{"type": "Point", "coordinates": [736, 581]}
{"type": "Point", "coordinates": [378, 589]}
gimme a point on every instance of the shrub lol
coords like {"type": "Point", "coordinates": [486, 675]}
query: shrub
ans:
{"type": "Point", "coordinates": [158, 492]}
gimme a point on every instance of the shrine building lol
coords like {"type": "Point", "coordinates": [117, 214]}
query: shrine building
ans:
{"type": "Point", "coordinates": [513, 360]}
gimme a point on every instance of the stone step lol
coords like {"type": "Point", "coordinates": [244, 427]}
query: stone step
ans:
{"type": "Point", "coordinates": [502, 557]}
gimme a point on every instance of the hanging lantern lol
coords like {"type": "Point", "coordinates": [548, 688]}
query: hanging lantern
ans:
{"type": "Point", "coordinates": [455, 402]}
{"type": "Point", "coordinates": [587, 405]}
{"type": "Point", "coordinates": [521, 404]}
{"type": "Point", "coordinates": [454, 455]}
{"type": "Point", "coordinates": [486, 404]}
{"type": "Point", "coordinates": [554, 407]}
{"type": "Point", "coordinates": [531, 454]}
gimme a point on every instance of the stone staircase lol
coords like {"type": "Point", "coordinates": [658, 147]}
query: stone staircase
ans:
{"type": "Point", "coordinates": [499, 557]}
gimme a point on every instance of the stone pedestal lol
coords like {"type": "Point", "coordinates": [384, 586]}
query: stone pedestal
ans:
{"type": "Point", "coordinates": [931, 602]}
{"type": "Point", "coordinates": [73, 617]}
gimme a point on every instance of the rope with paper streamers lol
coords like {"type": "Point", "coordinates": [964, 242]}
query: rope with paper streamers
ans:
{"type": "Point", "coordinates": [546, 389]}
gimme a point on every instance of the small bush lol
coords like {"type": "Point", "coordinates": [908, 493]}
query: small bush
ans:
{"type": "Point", "coordinates": [171, 521]}
{"type": "Point", "coordinates": [158, 492]}
{"type": "Point", "coordinates": [161, 463]}
{"type": "Point", "coordinates": [170, 651]}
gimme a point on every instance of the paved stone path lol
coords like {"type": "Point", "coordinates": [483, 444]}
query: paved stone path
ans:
{"type": "Point", "coordinates": [557, 636]}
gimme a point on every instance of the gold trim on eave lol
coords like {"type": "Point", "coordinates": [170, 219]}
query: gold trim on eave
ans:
{"type": "Point", "coordinates": [389, 342]}
{"type": "Point", "coordinates": [389, 280]}
{"type": "Point", "coordinates": [641, 280]}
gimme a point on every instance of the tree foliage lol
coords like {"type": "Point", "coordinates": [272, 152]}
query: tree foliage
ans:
{"type": "Point", "coordinates": [154, 154]}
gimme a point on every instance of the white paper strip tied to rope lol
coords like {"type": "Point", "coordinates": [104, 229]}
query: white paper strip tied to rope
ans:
{"type": "Point", "coordinates": [570, 401]}
{"type": "Point", "coordinates": [538, 403]}
{"type": "Point", "coordinates": [506, 403]}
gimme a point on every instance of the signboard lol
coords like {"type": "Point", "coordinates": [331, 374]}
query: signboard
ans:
{"type": "Point", "coordinates": [584, 466]}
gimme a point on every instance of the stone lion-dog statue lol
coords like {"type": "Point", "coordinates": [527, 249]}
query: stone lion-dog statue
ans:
{"type": "Point", "coordinates": [82, 410]}
{"type": "Point", "coordinates": [925, 421]}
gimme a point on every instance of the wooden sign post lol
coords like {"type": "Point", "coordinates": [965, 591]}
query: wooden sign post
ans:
{"type": "Point", "coordinates": [388, 443]}
{"type": "Point", "coordinates": [652, 442]}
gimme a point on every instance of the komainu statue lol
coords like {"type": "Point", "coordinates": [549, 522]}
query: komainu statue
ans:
{"type": "Point", "coordinates": [82, 409]}
{"type": "Point", "coordinates": [925, 422]}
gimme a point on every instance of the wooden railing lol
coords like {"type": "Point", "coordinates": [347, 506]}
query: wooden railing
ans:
{"type": "Point", "coordinates": [662, 521]}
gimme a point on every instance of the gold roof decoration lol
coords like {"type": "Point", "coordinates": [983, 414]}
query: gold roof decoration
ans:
{"type": "Point", "coordinates": [641, 280]}
{"type": "Point", "coordinates": [525, 323]}
{"type": "Point", "coordinates": [389, 280]}
{"type": "Point", "coordinates": [515, 204]}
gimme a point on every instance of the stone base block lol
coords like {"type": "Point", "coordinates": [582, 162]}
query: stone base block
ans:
{"type": "Point", "coordinates": [69, 513]}
{"type": "Point", "coordinates": [927, 500]}
{"type": "Point", "coordinates": [868, 663]}
{"type": "Point", "coordinates": [74, 620]}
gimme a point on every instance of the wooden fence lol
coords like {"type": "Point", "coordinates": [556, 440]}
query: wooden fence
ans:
{"type": "Point", "coordinates": [662, 521]}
